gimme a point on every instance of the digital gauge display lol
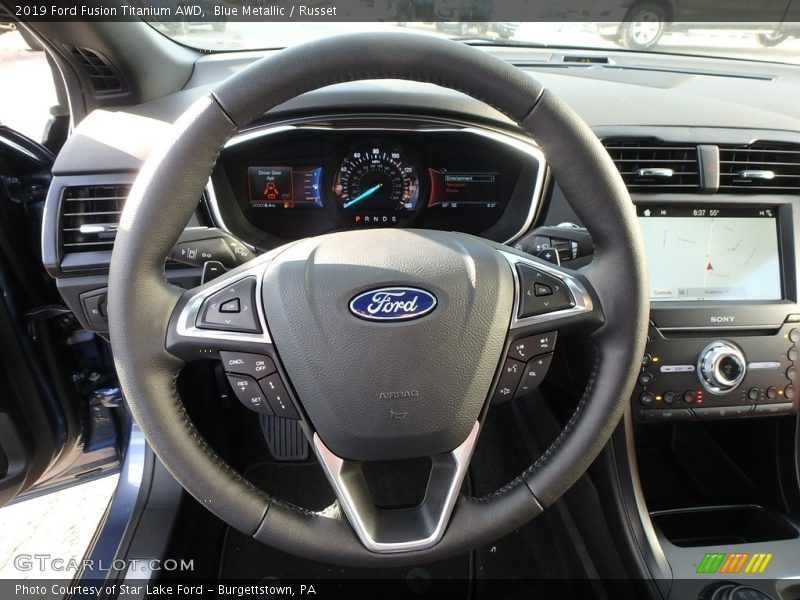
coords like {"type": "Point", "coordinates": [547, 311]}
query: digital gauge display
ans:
{"type": "Point", "coordinates": [285, 187]}
{"type": "Point", "coordinates": [377, 181]}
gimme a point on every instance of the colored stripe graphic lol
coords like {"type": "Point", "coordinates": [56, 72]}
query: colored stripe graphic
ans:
{"type": "Point", "coordinates": [711, 562]}
{"type": "Point", "coordinates": [758, 564]}
{"type": "Point", "coordinates": [735, 562]}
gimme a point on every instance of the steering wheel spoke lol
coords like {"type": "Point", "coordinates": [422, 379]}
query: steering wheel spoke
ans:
{"type": "Point", "coordinates": [548, 300]}
{"type": "Point", "coordinates": [403, 529]}
{"type": "Point", "coordinates": [225, 319]}
{"type": "Point", "coordinates": [225, 314]}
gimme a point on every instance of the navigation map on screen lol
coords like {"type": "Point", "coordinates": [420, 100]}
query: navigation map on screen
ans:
{"type": "Point", "coordinates": [711, 254]}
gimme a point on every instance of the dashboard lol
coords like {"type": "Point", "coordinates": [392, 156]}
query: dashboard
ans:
{"type": "Point", "coordinates": [289, 182]}
{"type": "Point", "coordinates": [715, 190]}
{"type": "Point", "coordinates": [709, 149]}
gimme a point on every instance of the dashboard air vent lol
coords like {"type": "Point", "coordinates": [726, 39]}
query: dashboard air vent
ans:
{"type": "Point", "coordinates": [760, 168]}
{"type": "Point", "coordinates": [90, 216]}
{"type": "Point", "coordinates": [102, 76]}
{"type": "Point", "coordinates": [650, 165]}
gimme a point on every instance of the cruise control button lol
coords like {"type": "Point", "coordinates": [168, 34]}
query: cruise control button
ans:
{"type": "Point", "coordinates": [534, 345]}
{"type": "Point", "coordinates": [535, 371]}
{"type": "Point", "coordinates": [278, 397]}
{"type": "Point", "coordinates": [531, 303]}
{"type": "Point", "coordinates": [242, 363]}
{"type": "Point", "coordinates": [217, 310]}
{"type": "Point", "coordinates": [247, 391]}
{"type": "Point", "coordinates": [509, 379]}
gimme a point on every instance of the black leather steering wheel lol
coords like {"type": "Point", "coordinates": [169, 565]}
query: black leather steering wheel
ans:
{"type": "Point", "coordinates": [343, 373]}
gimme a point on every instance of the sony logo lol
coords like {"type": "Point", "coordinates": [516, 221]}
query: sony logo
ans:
{"type": "Point", "coordinates": [400, 394]}
{"type": "Point", "coordinates": [723, 319]}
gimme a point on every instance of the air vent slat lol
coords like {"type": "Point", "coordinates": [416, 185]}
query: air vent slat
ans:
{"type": "Point", "coordinates": [760, 168]}
{"type": "Point", "coordinates": [90, 216]}
{"type": "Point", "coordinates": [102, 76]}
{"type": "Point", "coordinates": [650, 165]}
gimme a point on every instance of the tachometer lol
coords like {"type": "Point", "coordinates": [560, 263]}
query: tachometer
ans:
{"type": "Point", "coordinates": [376, 180]}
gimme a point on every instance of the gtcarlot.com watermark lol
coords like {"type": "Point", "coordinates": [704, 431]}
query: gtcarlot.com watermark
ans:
{"type": "Point", "coordinates": [48, 562]}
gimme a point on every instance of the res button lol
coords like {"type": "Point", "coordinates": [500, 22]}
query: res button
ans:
{"type": "Point", "coordinates": [247, 391]}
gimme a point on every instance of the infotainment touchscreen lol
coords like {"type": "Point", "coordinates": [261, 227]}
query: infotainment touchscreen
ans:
{"type": "Point", "coordinates": [711, 254]}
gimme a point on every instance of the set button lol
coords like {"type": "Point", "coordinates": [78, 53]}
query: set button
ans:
{"type": "Point", "coordinates": [249, 393]}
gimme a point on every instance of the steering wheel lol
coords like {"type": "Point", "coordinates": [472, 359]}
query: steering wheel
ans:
{"type": "Point", "coordinates": [359, 327]}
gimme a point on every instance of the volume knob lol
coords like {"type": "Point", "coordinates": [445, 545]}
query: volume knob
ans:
{"type": "Point", "coordinates": [721, 367]}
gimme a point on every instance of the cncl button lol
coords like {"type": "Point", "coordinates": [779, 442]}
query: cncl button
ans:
{"type": "Point", "coordinates": [242, 363]}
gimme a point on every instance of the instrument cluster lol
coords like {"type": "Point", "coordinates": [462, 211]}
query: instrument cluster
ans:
{"type": "Point", "coordinates": [301, 181]}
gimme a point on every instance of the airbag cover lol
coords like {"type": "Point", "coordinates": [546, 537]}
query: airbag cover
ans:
{"type": "Point", "coordinates": [379, 390]}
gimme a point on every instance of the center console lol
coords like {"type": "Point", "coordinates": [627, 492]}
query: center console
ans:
{"type": "Point", "coordinates": [725, 322]}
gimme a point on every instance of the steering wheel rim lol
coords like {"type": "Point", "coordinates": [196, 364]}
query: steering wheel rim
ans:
{"type": "Point", "coordinates": [143, 307]}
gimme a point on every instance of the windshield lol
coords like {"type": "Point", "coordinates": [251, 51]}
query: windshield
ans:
{"type": "Point", "coordinates": [751, 41]}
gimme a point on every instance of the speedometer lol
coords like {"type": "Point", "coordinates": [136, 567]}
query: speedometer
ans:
{"type": "Point", "coordinates": [376, 180]}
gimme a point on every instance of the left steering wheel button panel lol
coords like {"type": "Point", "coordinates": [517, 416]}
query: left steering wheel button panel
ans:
{"type": "Point", "coordinates": [249, 393]}
{"type": "Point", "coordinates": [241, 363]}
{"type": "Point", "coordinates": [220, 312]}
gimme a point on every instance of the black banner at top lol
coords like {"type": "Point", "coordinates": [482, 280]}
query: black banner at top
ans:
{"type": "Point", "coordinates": [509, 11]}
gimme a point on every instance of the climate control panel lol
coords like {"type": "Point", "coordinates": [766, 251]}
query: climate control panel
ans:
{"type": "Point", "coordinates": [687, 376]}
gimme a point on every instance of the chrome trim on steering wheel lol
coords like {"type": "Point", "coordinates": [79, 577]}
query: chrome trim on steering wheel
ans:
{"type": "Point", "coordinates": [186, 324]}
{"type": "Point", "coordinates": [387, 531]}
{"type": "Point", "coordinates": [583, 301]}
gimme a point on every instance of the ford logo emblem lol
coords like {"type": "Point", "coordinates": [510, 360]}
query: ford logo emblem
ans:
{"type": "Point", "coordinates": [393, 304]}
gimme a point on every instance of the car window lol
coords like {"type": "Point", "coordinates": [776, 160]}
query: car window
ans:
{"type": "Point", "coordinates": [650, 32]}
{"type": "Point", "coordinates": [27, 83]}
